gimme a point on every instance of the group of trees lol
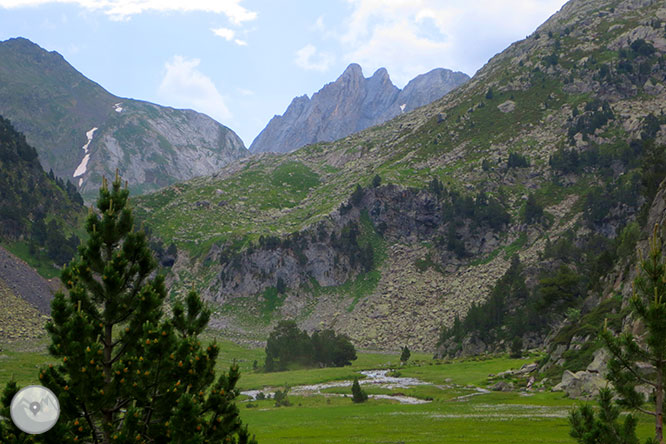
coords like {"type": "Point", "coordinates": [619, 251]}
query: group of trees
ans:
{"type": "Point", "coordinates": [51, 238]}
{"type": "Point", "coordinates": [288, 345]}
{"type": "Point", "coordinates": [474, 212]}
{"type": "Point", "coordinates": [127, 372]}
{"type": "Point", "coordinates": [29, 198]}
{"type": "Point", "coordinates": [634, 363]}
{"type": "Point", "coordinates": [484, 320]}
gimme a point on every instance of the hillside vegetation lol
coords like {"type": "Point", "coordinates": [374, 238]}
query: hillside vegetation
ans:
{"type": "Point", "coordinates": [39, 214]}
{"type": "Point", "coordinates": [553, 152]}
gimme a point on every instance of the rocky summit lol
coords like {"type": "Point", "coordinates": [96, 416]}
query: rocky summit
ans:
{"type": "Point", "coordinates": [82, 132]}
{"type": "Point", "coordinates": [352, 103]}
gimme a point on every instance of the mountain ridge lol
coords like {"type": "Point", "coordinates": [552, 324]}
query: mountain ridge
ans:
{"type": "Point", "coordinates": [56, 107]}
{"type": "Point", "coordinates": [350, 104]}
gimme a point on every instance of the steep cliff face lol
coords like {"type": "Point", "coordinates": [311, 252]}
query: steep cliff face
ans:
{"type": "Point", "coordinates": [350, 104]}
{"type": "Point", "coordinates": [82, 132]}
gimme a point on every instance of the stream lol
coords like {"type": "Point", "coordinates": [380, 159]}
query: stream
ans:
{"type": "Point", "coordinates": [377, 378]}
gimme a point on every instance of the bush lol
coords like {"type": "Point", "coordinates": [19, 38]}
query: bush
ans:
{"type": "Point", "coordinates": [517, 161]}
{"type": "Point", "coordinates": [281, 399]}
{"type": "Point", "coordinates": [358, 395]}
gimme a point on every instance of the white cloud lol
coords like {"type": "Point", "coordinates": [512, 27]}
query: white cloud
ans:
{"type": "Point", "coordinates": [409, 37]}
{"type": "Point", "coordinates": [309, 58]}
{"type": "Point", "coordinates": [185, 86]}
{"type": "Point", "coordinates": [124, 9]}
{"type": "Point", "coordinates": [225, 33]}
{"type": "Point", "coordinates": [229, 35]}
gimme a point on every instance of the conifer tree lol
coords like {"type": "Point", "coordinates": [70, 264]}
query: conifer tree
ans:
{"type": "Point", "coordinates": [626, 369]}
{"type": "Point", "coordinates": [633, 362]}
{"type": "Point", "coordinates": [127, 372]}
{"type": "Point", "coordinates": [358, 395]}
{"type": "Point", "coordinates": [405, 354]}
{"type": "Point", "coordinates": [602, 427]}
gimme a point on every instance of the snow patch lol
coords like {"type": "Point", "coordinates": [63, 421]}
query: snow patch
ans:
{"type": "Point", "coordinates": [81, 169]}
{"type": "Point", "coordinates": [402, 107]}
{"type": "Point", "coordinates": [118, 108]}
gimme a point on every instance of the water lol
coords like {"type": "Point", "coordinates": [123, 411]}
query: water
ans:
{"type": "Point", "coordinates": [377, 378]}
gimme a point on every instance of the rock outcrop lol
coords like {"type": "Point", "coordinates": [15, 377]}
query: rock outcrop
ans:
{"type": "Point", "coordinates": [350, 104]}
{"type": "Point", "coordinates": [82, 132]}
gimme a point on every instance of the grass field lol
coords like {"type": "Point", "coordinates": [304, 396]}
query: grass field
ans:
{"type": "Point", "coordinates": [457, 413]}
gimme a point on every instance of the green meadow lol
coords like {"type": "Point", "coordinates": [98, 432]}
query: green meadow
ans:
{"type": "Point", "coordinates": [457, 411]}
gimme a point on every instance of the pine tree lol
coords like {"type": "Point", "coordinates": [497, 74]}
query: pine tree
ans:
{"type": "Point", "coordinates": [588, 427]}
{"type": "Point", "coordinates": [626, 369]}
{"type": "Point", "coordinates": [358, 395]}
{"type": "Point", "coordinates": [127, 372]}
{"type": "Point", "coordinates": [404, 356]}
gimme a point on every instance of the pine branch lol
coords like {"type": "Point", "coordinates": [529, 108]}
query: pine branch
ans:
{"type": "Point", "coordinates": [90, 423]}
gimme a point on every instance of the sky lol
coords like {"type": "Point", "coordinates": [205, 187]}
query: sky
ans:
{"type": "Point", "coordinates": [243, 61]}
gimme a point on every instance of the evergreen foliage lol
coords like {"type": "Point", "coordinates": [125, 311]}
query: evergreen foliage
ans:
{"type": "Point", "coordinates": [281, 399]}
{"type": "Point", "coordinates": [376, 181]}
{"type": "Point", "coordinates": [626, 369]}
{"type": "Point", "coordinates": [405, 354]}
{"type": "Point", "coordinates": [480, 212]}
{"type": "Point", "coordinates": [516, 348]}
{"type": "Point", "coordinates": [517, 161]}
{"type": "Point", "coordinates": [533, 210]}
{"type": "Point", "coordinates": [358, 394]}
{"type": "Point", "coordinates": [288, 345]}
{"type": "Point", "coordinates": [602, 426]}
{"type": "Point", "coordinates": [127, 372]}
{"type": "Point", "coordinates": [484, 319]}
{"type": "Point", "coordinates": [29, 197]}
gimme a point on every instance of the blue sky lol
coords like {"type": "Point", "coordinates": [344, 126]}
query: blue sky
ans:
{"type": "Point", "coordinates": [242, 61]}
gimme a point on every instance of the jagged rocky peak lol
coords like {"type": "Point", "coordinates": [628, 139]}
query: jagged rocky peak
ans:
{"type": "Point", "coordinates": [350, 104]}
{"type": "Point", "coordinates": [352, 71]}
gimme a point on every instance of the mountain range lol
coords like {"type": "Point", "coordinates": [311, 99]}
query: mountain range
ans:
{"type": "Point", "coordinates": [538, 176]}
{"type": "Point", "coordinates": [352, 103]}
{"type": "Point", "coordinates": [82, 132]}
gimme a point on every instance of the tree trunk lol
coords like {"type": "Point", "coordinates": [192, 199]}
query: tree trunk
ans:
{"type": "Point", "coordinates": [659, 404]}
{"type": "Point", "coordinates": [108, 415]}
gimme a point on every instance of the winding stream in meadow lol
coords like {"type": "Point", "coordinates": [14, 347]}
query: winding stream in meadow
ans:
{"type": "Point", "coordinates": [376, 378]}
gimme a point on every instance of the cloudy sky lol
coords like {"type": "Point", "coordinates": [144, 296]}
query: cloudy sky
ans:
{"type": "Point", "coordinates": [242, 61]}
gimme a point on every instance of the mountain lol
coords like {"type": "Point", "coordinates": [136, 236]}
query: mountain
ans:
{"type": "Point", "coordinates": [352, 103]}
{"type": "Point", "coordinates": [536, 177]}
{"type": "Point", "coordinates": [83, 132]}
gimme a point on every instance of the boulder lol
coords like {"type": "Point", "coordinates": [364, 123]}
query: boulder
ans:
{"type": "Point", "coordinates": [502, 386]}
{"type": "Point", "coordinates": [507, 106]}
{"type": "Point", "coordinates": [600, 363]}
{"type": "Point", "coordinates": [580, 385]}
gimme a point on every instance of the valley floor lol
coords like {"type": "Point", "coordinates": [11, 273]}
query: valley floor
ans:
{"type": "Point", "coordinates": [457, 410]}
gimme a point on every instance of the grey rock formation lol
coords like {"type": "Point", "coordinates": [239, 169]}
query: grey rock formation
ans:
{"type": "Point", "coordinates": [352, 103]}
{"type": "Point", "coordinates": [57, 108]}
{"type": "Point", "coordinates": [580, 385]}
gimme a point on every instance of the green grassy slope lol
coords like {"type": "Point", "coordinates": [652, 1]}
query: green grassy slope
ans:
{"type": "Point", "coordinates": [540, 96]}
